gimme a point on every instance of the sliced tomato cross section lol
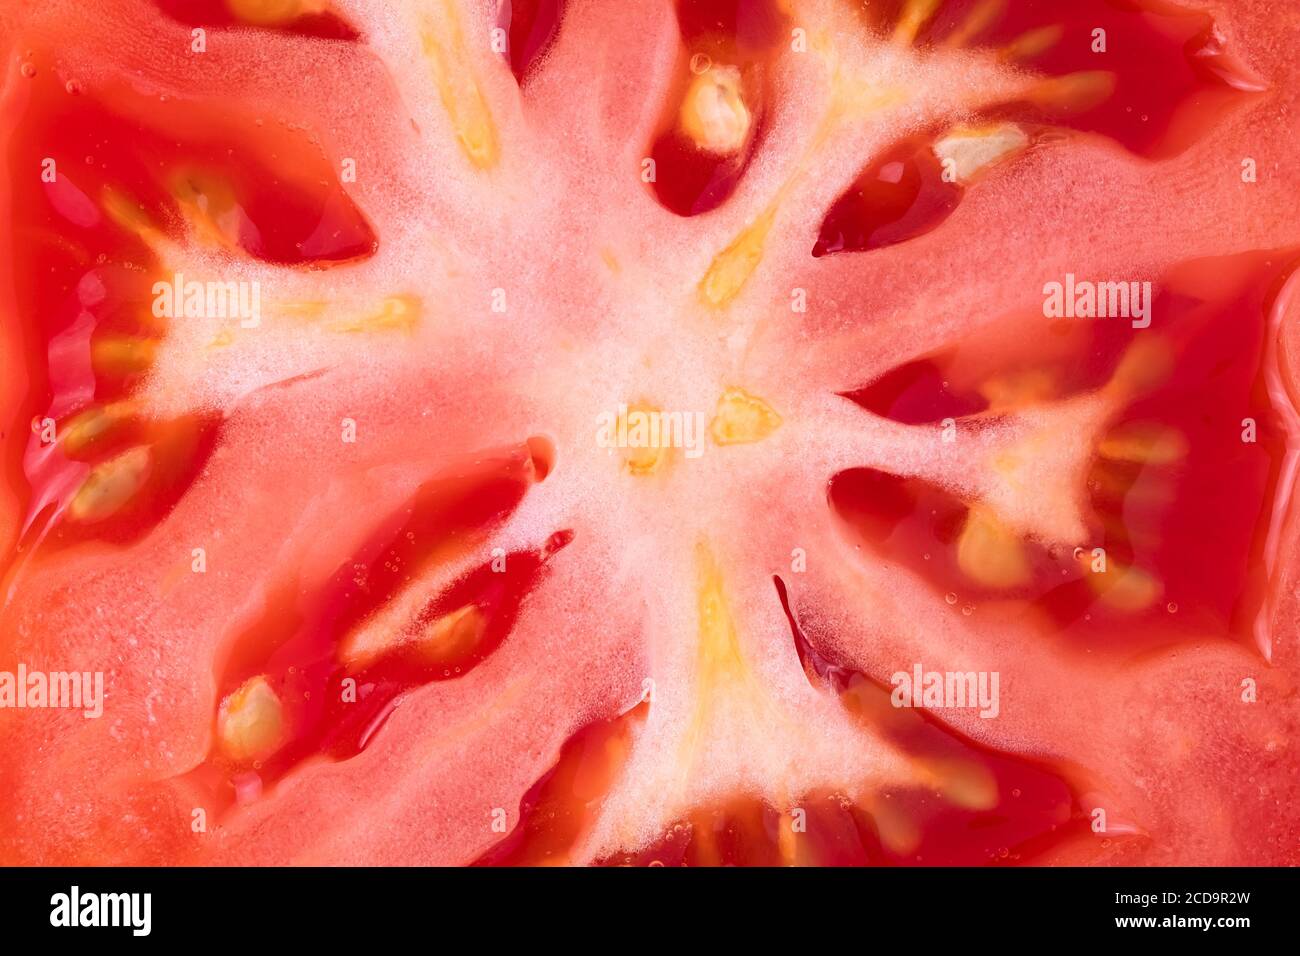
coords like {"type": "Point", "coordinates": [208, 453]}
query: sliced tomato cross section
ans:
{"type": "Point", "coordinates": [711, 432]}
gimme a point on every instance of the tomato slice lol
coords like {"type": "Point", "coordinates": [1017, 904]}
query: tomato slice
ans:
{"type": "Point", "coordinates": [714, 432]}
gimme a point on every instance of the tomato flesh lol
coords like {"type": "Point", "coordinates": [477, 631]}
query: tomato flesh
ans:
{"type": "Point", "coordinates": [457, 630]}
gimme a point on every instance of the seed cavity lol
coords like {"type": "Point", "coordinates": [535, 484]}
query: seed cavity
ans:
{"type": "Point", "coordinates": [560, 809]}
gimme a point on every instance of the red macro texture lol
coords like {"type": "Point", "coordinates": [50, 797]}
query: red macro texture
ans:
{"type": "Point", "coordinates": [564, 432]}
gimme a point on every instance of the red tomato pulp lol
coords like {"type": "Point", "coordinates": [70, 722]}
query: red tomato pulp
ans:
{"type": "Point", "coordinates": [723, 431]}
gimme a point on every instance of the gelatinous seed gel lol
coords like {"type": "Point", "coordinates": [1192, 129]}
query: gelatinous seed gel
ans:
{"type": "Point", "coordinates": [533, 432]}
